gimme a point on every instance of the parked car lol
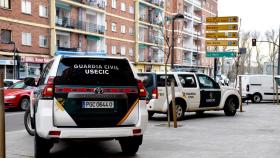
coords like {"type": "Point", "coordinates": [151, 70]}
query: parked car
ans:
{"type": "Point", "coordinates": [194, 92]}
{"type": "Point", "coordinates": [88, 97]}
{"type": "Point", "coordinates": [257, 88]}
{"type": "Point", "coordinates": [17, 96]}
{"type": "Point", "coordinates": [9, 82]}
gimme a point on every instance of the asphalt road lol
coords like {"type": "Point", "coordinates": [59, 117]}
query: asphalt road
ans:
{"type": "Point", "coordinates": [254, 133]}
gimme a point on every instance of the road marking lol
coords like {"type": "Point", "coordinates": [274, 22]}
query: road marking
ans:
{"type": "Point", "coordinates": [14, 113]}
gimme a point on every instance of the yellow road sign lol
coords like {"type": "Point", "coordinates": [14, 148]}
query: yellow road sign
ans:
{"type": "Point", "coordinates": [221, 27]}
{"type": "Point", "coordinates": [221, 35]}
{"type": "Point", "coordinates": [221, 43]}
{"type": "Point", "coordinates": [222, 19]}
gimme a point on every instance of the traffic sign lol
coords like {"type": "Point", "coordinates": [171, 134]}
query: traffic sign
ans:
{"type": "Point", "coordinates": [221, 42]}
{"type": "Point", "coordinates": [220, 54]}
{"type": "Point", "coordinates": [221, 27]}
{"type": "Point", "coordinates": [225, 19]}
{"type": "Point", "coordinates": [221, 35]}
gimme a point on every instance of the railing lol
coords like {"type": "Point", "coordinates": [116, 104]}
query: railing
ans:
{"type": "Point", "coordinates": [156, 40]}
{"type": "Point", "coordinates": [187, 61]}
{"type": "Point", "coordinates": [67, 49]}
{"type": "Point", "coordinates": [197, 2]}
{"type": "Point", "coordinates": [81, 25]}
{"type": "Point", "coordinates": [159, 3]}
{"type": "Point", "coordinates": [96, 3]}
{"type": "Point", "coordinates": [198, 18]}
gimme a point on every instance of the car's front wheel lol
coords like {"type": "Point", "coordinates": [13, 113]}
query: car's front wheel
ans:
{"type": "Point", "coordinates": [130, 145]}
{"type": "Point", "coordinates": [24, 103]}
{"type": "Point", "coordinates": [230, 107]}
{"type": "Point", "coordinates": [41, 147]}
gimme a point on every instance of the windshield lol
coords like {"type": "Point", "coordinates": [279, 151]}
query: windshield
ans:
{"type": "Point", "coordinates": [18, 85]}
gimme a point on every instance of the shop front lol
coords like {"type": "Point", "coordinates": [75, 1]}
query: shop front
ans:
{"type": "Point", "coordinates": [31, 66]}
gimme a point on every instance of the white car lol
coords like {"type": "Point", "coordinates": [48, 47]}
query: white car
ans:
{"type": "Point", "coordinates": [194, 93]}
{"type": "Point", "coordinates": [82, 97]}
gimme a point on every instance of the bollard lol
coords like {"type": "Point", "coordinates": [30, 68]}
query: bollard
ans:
{"type": "Point", "coordinates": [173, 103]}
{"type": "Point", "coordinates": [240, 91]}
{"type": "Point", "coordinates": [2, 120]}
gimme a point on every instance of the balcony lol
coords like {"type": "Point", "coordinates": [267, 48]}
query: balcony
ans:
{"type": "Point", "coordinates": [198, 18]}
{"type": "Point", "coordinates": [67, 49]}
{"type": "Point", "coordinates": [80, 25]}
{"type": "Point", "coordinates": [198, 3]}
{"type": "Point", "coordinates": [101, 4]}
{"type": "Point", "coordinates": [143, 17]}
{"type": "Point", "coordinates": [186, 61]}
{"type": "Point", "coordinates": [156, 40]}
{"type": "Point", "coordinates": [159, 3]}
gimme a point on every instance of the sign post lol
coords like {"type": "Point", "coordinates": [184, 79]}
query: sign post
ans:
{"type": "Point", "coordinates": [2, 120]}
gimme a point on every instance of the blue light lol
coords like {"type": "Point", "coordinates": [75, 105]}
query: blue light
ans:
{"type": "Point", "coordinates": [72, 53]}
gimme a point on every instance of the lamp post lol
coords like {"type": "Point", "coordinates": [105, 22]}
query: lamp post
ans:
{"type": "Point", "coordinates": [177, 16]}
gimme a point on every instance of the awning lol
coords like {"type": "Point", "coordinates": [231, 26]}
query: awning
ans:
{"type": "Point", "coordinates": [93, 38]}
{"type": "Point", "coordinates": [63, 6]}
{"type": "Point", "coordinates": [142, 46]}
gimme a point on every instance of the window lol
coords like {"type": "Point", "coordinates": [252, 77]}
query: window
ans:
{"type": "Point", "coordinates": [123, 29]}
{"type": "Point", "coordinates": [114, 49]}
{"type": "Point", "coordinates": [131, 31]}
{"type": "Point", "coordinates": [131, 10]}
{"type": "Point", "coordinates": [114, 27]}
{"type": "Point", "coordinates": [26, 38]}
{"type": "Point", "coordinates": [69, 72]}
{"type": "Point", "coordinates": [114, 4]}
{"type": "Point", "coordinates": [123, 7]}
{"type": "Point", "coordinates": [130, 52]}
{"type": "Point", "coordinates": [5, 4]}
{"type": "Point", "coordinates": [6, 36]}
{"type": "Point", "coordinates": [45, 72]}
{"type": "Point", "coordinates": [206, 82]}
{"type": "Point", "coordinates": [26, 6]}
{"type": "Point", "coordinates": [187, 81]}
{"type": "Point", "coordinates": [161, 80]}
{"type": "Point", "coordinates": [43, 41]}
{"type": "Point", "coordinates": [43, 11]}
{"type": "Point", "coordinates": [123, 51]}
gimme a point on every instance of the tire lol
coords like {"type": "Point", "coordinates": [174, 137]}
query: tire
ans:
{"type": "Point", "coordinates": [28, 122]}
{"type": "Point", "coordinates": [180, 111]}
{"type": "Point", "coordinates": [151, 114]}
{"type": "Point", "coordinates": [257, 98]}
{"type": "Point", "coordinates": [24, 103]}
{"type": "Point", "coordinates": [41, 147]}
{"type": "Point", "coordinates": [130, 145]}
{"type": "Point", "coordinates": [230, 107]}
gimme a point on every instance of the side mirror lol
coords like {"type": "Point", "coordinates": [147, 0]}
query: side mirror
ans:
{"type": "Point", "coordinates": [29, 81]}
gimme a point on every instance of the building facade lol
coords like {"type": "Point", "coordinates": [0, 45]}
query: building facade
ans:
{"type": "Point", "coordinates": [32, 31]}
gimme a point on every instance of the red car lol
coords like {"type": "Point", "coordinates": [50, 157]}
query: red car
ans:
{"type": "Point", "coordinates": [17, 96]}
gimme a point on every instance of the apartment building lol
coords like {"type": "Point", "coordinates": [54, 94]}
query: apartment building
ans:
{"type": "Point", "coordinates": [24, 30]}
{"type": "Point", "coordinates": [137, 29]}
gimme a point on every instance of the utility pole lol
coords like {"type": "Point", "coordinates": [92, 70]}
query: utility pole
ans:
{"type": "Point", "coordinates": [2, 120]}
{"type": "Point", "coordinates": [278, 70]}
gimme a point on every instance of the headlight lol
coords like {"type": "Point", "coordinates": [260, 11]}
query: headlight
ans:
{"type": "Point", "coordinates": [10, 97]}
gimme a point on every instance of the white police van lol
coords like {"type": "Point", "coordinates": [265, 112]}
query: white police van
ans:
{"type": "Point", "coordinates": [81, 97]}
{"type": "Point", "coordinates": [194, 93]}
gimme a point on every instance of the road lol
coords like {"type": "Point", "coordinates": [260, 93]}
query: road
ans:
{"type": "Point", "coordinates": [254, 133]}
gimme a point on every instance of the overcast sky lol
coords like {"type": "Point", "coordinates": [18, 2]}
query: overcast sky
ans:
{"type": "Point", "coordinates": [260, 15]}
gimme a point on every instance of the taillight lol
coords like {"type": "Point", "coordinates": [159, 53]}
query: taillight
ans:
{"type": "Point", "coordinates": [155, 93]}
{"type": "Point", "coordinates": [142, 90]}
{"type": "Point", "coordinates": [247, 88]}
{"type": "Point", "coordinates": [48, 90]}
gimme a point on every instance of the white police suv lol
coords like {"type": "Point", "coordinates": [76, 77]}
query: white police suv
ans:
{"type": "Point", "coordinates": [193, 93]}
{"type": "Point", "coordinates": [81, 97]}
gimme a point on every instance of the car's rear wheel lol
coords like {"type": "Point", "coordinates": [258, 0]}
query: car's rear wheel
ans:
{"type": "Point", "coordinates": [41, 147]}
{"type": "Point", "coordinates": [257, 98]}
{"type": "Point", "coordinates": [130, 145]}
{"type": "Point", "coordinates": [28, 122]}
{"type": "Point", "coordinates": [230, 107]}
{"type": "Point", "coordinates": [180, 111]}
{"type": "Point", "coordinates": [24, 103]}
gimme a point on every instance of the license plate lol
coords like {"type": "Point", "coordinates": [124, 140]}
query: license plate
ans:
{"type": "Point", "coordinates": [98, 104]}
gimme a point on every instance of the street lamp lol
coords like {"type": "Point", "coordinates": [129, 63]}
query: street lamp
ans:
{"type": "Point", "coordinates": [177, 16]}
